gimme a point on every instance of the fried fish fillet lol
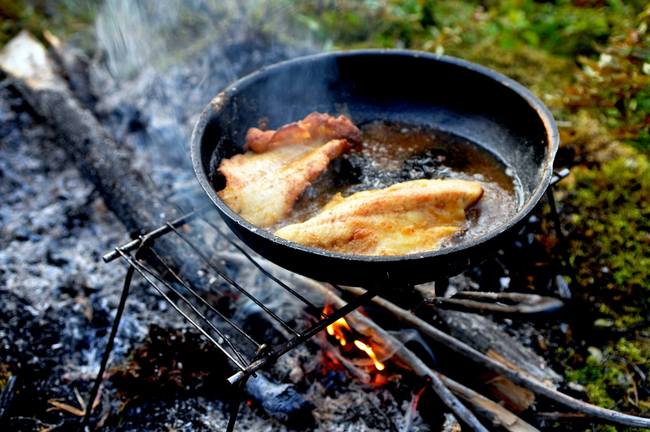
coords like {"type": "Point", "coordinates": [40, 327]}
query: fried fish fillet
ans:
{"type": "Point", "coordinates": [262, 185]}
{"type": "Point", "coordinates": [316, 128]}
{"type": "Point", "coordinates": [408, 217]}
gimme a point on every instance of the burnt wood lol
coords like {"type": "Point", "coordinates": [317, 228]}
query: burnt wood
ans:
{"type": "Point", "coordinates": [488, 337]}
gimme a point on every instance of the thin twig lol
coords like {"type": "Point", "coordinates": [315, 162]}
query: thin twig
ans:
{"type": "Point", "coordinates": [497, 414]}
{"type": "Point", "coordinates": [562, 416]}
{"type": "Point", "coordinates": [524, 304]}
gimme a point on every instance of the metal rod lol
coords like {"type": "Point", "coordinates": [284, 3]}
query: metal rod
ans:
{"type": "Point", "coordinates": [185, 300]}
{"type": "Point", "coordinates": [107, 351]}
{"type": "Point", "coordinates": [559, 176]}
{"type": "Point", "coordinates": [239, 394]}
{"type": "Point", "coordinates": [152, 235]}
{"type": "Point", "coordinates": [233, 283]}
{"type": "Point", "coordinates": [555, 216]}
{"type": "Point", "coordinates": [289, 345]}
{"type": "Point", "coordinates": [143, 271]}
{"type": "Point", "coordinates": [564, 289]}
{"type": "Point", "coordinates": [262, 269]}
{"type": "Point", "coordinates": [204, 302]}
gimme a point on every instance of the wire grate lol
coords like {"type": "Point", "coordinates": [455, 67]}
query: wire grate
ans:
{"type": "Point", "coordinates": [185, 299]}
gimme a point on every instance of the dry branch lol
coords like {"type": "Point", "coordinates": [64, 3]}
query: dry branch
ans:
{"type": "Point", "coordinates": [498, 415]}
{"type": "Point", "coordinates": [496, 303]}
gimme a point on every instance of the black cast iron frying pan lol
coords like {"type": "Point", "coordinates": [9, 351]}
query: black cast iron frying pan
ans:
{"type": "Point", "coordinates": [412, 87]}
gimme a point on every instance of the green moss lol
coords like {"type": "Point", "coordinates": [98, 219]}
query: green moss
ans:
{"type": "Point", "coordinates": [615, 86]}
{"type": "Point", "coordinates": [610, 376]}
{"type": "Point", "coordinates": [561, 27]}
{"type": "Point", "coordinates": [609, 208]}
{"type": "Point", "coordinates": [4, 375]}
{"type": "Point", "coordinates": [608, 211]}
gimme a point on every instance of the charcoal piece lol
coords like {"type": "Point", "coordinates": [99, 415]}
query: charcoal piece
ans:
{"type": "Point", "coordinates": [281, 401]}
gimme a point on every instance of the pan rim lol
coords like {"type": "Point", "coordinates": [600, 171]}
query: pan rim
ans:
{"type": "Point", "coordinates": [550, 127]}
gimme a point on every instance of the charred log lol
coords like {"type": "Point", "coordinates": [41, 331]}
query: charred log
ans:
{"type": "Point", "coordinates": [486, 336]}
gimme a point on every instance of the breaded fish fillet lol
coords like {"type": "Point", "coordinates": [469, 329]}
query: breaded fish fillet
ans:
{"type": "Point", "coordinates": [263, 185]}
{"type": "Point", "coordinates": [316, 128]}
{"type": "Point", "coordinates": [408, 217]}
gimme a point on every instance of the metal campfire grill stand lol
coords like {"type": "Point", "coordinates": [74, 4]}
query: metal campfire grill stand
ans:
{"type": "Point", "coordinates": [168, 285]}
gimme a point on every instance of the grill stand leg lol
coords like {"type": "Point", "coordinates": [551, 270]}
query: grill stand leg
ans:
{"type": "Point", "coordinates": [240, 388]}
{"type": "Point", "coordinates": [107, 351]}
{"type": "Point", "coordinates": [563, 288]}
{"type": "Point", "coordinates": [236, 404]}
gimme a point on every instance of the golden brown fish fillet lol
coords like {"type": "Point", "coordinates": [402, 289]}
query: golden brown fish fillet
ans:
{"type": "Point", "coordinates": [262, 188]}
{"type": "Point", "coordinates": [409, 217]}
{"type": "Point", "coordinates": [316, 128]}
{"type": "Point", "coordinates": [262, 185]}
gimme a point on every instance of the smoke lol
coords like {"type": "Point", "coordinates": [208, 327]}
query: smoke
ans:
{"type": "Point", "coordinates": [160, 63]}
{"type": "Point", "coordinates": [134, 35]}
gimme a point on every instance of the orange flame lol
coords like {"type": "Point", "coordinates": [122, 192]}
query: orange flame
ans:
{"type": "Point", "coordinates": [368, 350]}
{"type": "Point", "coordinates": [336, 329]}
{"type": "Point", "coordinates": [340, 327]}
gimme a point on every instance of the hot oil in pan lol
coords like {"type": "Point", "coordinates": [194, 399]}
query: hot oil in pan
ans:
{"type": "Point", "coordinates": [392, 153]}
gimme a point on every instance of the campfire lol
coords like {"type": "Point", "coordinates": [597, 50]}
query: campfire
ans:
{"type": "Point", "coordinates": [251, 332]}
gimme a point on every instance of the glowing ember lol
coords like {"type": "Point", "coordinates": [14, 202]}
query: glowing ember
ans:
{"type": "Point", "coordinates": [340, 327]}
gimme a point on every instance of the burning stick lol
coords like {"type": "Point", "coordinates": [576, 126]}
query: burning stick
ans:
{"type": "Point", "coordinates": [413, 408]}
{"type": "Point", "coordinates": [340, 327]}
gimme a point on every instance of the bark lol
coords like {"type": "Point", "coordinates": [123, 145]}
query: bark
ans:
{"type": "Point", "coordinates": [488, 337]}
